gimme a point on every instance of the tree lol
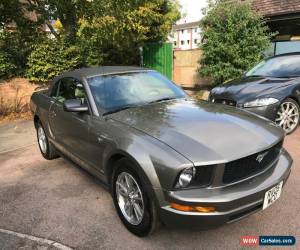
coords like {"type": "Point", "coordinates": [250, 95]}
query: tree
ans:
{"type": "Point", "coordinates": [11, 12]}
{"type": "Point", "coordinates": [157, 15]}
{"type": "Point", "coordinates": [15, 46]}
{"type": "Point", "coordinates": [234, 38]}
{"type": "Point", "coordinates": [69, 12]}
{"type": "Point", "coordinates": [106, 32]}
{"type": "Point", "coordinates": [116, 29]}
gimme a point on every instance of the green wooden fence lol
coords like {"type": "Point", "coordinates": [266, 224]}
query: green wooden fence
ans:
{"type": "Point", "coordinates": [159, 56]}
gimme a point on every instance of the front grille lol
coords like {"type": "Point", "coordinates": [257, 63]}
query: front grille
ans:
{"type": "Point", "coordinates": [203, 176]}
{"type": "Point", "coordinates": [226, 102]}
{"type": "Point", "coordinates": [250, 165]}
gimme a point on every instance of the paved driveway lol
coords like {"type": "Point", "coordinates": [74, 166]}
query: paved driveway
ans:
{"type": "Point", "coordinates": [62, 205]}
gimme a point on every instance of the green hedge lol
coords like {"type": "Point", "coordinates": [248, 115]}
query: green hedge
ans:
{"type": "Point", "coordinates": [51, 58]}
{"type": "Point", "coordinates": [15, 47]}
{"type": "Point", "coordinates": [7, 68]}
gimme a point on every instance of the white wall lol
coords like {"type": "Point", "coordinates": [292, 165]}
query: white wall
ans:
{"type": "Point", "coordinates": [188, 37]}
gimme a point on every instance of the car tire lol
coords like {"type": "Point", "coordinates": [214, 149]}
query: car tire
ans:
{"type": "Point", "coordinates": [47, 149]}
{"type": "Point", "coordinates": [295, 115]}
{"type": "Point", "coordinates": [139, 225]}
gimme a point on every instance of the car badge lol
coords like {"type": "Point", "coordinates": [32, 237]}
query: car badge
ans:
{"type": "Point", "coordinates": [260, 157]}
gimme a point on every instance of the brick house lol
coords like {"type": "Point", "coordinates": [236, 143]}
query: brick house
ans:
{"type": "Point", "coordinates": [282, 16]}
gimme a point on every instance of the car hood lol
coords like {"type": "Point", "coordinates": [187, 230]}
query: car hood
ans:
{"type": "Point", "coordinates": [204, 133]}
{"type": "Point", "coordinates": [251, 88]}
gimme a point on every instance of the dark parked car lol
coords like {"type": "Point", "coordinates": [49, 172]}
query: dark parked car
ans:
{"type": "Point", "coordinates": [271, 89]}
{"type": "Point", "coordinates": [164, 156]}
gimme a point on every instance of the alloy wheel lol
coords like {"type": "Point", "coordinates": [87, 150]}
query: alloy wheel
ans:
{"type": "Point", "coordinates": [288, 116]}
{"type": "Point", "coordinates": [130, 198]}
{"type": "Point", "coordinates": [42, 140]}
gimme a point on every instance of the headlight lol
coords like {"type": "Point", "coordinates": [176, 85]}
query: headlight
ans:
{"type": "Point", "coordinates": [260, 102]}
{"type": "Point", "coordinates": [186, 177]}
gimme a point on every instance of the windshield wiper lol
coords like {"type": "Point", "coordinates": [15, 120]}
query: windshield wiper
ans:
{"type": "Point", "coordinates": [120, 109]}
{"type": "Point", "coordinates": [290, 76]}
{"type": "Point", "coordinates": [255, 76]}
{"type": "Point", "coordinates": [163, 99]}
{"type": "Point", "coordinates": [134, 106]}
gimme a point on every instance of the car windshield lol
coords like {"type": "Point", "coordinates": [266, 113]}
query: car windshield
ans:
{"type": "Point", "coordinates": [116, 92]}
{"type": "Point", "coordinates": [282, 66]}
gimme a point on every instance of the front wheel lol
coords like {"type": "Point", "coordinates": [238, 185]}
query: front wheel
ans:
{"type": "Point", "coordinates": [287, 116]}
{"type": "Point", "coordinates": [131, 200]}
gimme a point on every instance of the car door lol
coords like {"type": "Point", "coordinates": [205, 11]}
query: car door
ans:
{"type": "Point", "coordinates": [70, 129]}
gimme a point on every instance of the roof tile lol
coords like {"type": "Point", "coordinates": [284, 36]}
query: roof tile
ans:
{"type": "Point", "coordinates": [276, 7]}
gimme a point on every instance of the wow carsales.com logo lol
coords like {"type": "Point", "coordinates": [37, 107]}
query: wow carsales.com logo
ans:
{"type": "Point", "coordinates": [267, 241]}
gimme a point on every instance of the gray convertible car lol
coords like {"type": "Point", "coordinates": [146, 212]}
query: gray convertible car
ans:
{"type": "Point", "coordinates": [164, 156]}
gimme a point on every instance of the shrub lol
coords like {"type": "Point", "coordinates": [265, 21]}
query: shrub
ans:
{"type": "Point", "coordinates": [51, 58]}
{"type": "Point", "coordinates": [15, 98]}
{"type": "Point", "coordinates": [15, 104]}
{"type": "Point", "coordinates": [7, 69]}
{"type": "Point", "coordinates": [234, 39]}
{"type": "Point", "coordinates": [15, 47]}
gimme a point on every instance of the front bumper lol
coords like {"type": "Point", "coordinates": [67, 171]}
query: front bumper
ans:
{"type": "Point", "coordinates": [231, 202]}
{"type": "Point", "coordinates": [268, 111]}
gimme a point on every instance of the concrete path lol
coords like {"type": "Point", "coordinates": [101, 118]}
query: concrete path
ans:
{"type": "Point", "coordinates": [12, 240]}
{"type": "Point", "coordinates": [16, 135]}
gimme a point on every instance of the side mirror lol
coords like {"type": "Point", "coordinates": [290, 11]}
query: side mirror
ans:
{"type": "Point", "coordinates": [244, 74]}
{"type": "Point", "coordinates": [75, 105]}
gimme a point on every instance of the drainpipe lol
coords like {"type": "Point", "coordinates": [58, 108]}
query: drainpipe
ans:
{"type": "Point", "coordinates": [141, 56]}
{"type": "Point", "coordinates": [178, 40]}
{"type": "Point", "coordinates": [191, 39]}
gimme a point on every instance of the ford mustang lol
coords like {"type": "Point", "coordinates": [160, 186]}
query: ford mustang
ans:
{"type": "Point", "coordinates": [164, 156]}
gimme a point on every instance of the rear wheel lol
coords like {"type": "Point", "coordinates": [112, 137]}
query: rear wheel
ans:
{"type": "Point", "coordinates": [287, 116]}
{"type": "Point", "coordinates": [47, 149]}
{"type": "Point", "coordinates": [131, 200]}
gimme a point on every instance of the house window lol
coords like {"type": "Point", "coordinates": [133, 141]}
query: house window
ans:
{"type": "Point", "coordinates": [195, 41]}
{"type": "Point", "coordinates": [175, 43]}
{"type": "Point", "coordinates": [182, 31]}
{"type": "Point", "coordinates": [182, 42]}
{"type": "Point", "coordinates": [188, 41]}
{"type": "Point", "coordinates": [196, 30]}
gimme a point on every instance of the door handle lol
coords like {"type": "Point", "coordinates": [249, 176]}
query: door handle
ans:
{"type": "Point", "coordinates": [103, 137]}
{"type": "Point", "coordinates": [52, 114]}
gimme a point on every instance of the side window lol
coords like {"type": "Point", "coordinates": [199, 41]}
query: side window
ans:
{"type": "Point", "coordinates": [70, 88]}
{"type": "Point", "coordinates": [55, 89]}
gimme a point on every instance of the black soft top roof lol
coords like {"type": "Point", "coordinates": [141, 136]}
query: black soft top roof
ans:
{"type": "Point", "coordinates": [103, 70]}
